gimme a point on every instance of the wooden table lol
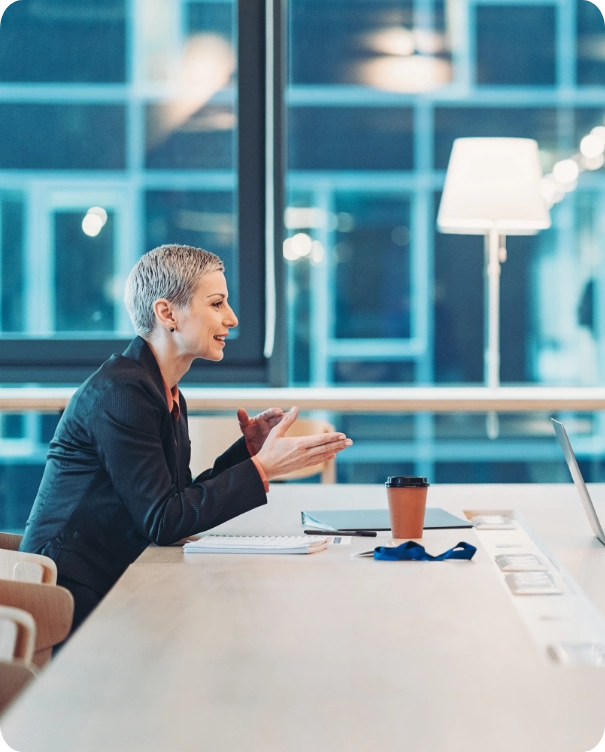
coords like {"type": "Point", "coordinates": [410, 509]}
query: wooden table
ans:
{"type": "Point", "coordinates": [324, 652]}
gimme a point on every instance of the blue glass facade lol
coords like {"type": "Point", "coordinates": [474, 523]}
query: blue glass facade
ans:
{"type": "Point", "coordinates": [378, 93]}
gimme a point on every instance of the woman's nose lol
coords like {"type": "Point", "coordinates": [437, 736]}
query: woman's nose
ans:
{"type": "Point", "coordinates": [231, 320]}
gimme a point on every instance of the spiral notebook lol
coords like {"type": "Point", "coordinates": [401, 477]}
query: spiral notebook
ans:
{"type": "Point", "coordinates": [256, 544]}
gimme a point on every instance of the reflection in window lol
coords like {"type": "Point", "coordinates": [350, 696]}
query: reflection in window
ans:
{"type": "Point", "coordinates": [190, 130]}
{"type": "Point", "coordinates": [180, 140]}
{"type": "Point", "coordinates": [333, 40]}
{"type": "Point", "coordinates": [378, 44]}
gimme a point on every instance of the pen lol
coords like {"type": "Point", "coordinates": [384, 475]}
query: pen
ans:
{"type": "Point", "coordinates": [360, 533]}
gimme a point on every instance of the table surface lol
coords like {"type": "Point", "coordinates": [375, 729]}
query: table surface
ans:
{"type": "Point", "coordinates": [327, 652]}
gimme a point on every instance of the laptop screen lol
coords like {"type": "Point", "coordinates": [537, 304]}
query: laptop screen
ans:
{"type": "Point", "coordinates": [574, 469]}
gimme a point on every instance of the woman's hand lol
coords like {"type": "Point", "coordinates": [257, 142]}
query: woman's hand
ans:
{"type": "Point", "coordinates": [257, 429]}
{"type": "Point", "coordinates": [282, 454]}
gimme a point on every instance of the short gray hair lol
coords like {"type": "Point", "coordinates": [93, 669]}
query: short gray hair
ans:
{"type": "Point", "coordinates": [171, 272]}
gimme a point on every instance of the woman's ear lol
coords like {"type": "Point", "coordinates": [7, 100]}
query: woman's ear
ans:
{"type": "Point", "coordinates": [165, 314]}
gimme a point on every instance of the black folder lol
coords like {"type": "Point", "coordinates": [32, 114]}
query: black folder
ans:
{"type": "Point", "coordinates": [375, 519]}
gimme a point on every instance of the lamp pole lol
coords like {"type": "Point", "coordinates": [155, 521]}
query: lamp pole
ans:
{"type": "Point", "coordinates": [495, 254]}
{"type": "Point", "coordinates": [492, 308]}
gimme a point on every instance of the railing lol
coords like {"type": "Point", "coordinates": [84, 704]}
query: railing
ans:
{"type": "Point", "coordinates": [345, 399]}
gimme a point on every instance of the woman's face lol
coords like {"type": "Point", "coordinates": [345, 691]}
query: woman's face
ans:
{"type": "Point", "coordinates": [203, 327]}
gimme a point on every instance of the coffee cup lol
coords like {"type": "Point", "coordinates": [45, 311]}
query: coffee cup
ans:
{"type": "Point", "coordinates": [407, 504]}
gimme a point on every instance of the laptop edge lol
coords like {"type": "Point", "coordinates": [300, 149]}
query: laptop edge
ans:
{"type": "Point", "coordinates": [578, 480]}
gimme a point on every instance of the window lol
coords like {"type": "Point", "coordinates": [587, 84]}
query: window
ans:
{"type": "Point", "coordinates": [516, 45]}
{"type": "Point", "coordinates": [590, 68]}
{"type": "Point", "coordinates": [64, 41]}
{"type": "Point", "coordinates": [62, 136]}
{"type": "Point", "coordinates": [377, 93]}
{"type": "Point", "coordinates": [336, 138]}
{"type": "Point", "coordinates": [339, 41]}
{"type": "Point", "coordinates": [122, 135]}
{"type": "Point", "coordinates": [539, 123]}
{"type": "Point", "coordinates": [373, 300]}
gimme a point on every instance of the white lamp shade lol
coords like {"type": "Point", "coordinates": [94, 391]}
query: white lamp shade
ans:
{"type": "Point", "coordinates": [493, 184]}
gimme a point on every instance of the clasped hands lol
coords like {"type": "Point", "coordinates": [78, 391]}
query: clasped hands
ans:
{"type": "Point", "coordinates": [280, 454]}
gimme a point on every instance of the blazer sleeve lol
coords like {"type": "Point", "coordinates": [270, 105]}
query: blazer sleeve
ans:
{"type": "Point", "coordinates": [125, 428]}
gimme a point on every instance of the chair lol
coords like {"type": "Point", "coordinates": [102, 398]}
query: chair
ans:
{"type": "Point", "coordinates": [211, 436]}
{"type": "Point", "coordinates": [51, 607]}
{"type": "Point", "coordinates": [10, 541]}
{"type": "Point", "coordinates": [17, 640]}
{"type": "Point", "coordinates": [17, 634]}
{"type": "Point", "coordinates": [14, 678]}
{"type": "Point", "coordinates": [18, 565]}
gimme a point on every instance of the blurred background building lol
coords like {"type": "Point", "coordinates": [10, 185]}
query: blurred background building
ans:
{"type": "Point", "coordinates": [120, 130]}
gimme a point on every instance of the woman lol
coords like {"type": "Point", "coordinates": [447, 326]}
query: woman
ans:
{"type": "Point", "coordinates": [117, 475]}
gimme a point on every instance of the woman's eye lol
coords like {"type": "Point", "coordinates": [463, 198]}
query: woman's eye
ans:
{"type": "Point", "coordinates": [218, 304]}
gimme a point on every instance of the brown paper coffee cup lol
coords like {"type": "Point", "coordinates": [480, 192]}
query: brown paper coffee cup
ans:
{"type": "Point", "coordinates": [407, 504]}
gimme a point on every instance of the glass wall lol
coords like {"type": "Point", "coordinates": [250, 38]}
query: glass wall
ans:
{"type": "Point", "coordinates": [377, 94]}
{"type": "Point", "coordinates": [119, 133]}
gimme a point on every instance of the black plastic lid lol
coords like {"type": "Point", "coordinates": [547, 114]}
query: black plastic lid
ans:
{"type": "Point", "coordinates": [407, 481]}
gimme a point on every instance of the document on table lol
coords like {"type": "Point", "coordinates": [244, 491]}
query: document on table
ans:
{"type": "Point", "coordinates": [257, 544]}
{"type": "Point", "coordinates": [375, 519]}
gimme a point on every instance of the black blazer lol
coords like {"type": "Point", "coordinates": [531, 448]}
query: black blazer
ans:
{"type": "Point", "coordinates": [117, 476]}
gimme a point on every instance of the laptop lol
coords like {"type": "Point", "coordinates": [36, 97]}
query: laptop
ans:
{"type": "Point", "coordinates": [572, 464]}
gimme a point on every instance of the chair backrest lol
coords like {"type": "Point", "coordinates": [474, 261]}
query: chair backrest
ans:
{"type": "Point", "coordinates": [18, 565]}
{"type": "Point", "coordinates": [14, 678]}
{"type": "Point", "coordinates": [51, 607]}
{"type": "Point", "coordinates": [17, 634]}
{"type": "Point", "coordinates": [212, 435]}
{"type": "Point", "coordinates": [10, 541]}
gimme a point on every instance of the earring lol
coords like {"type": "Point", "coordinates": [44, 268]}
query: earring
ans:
{"type": "Point", "coordinates": [171, 329]}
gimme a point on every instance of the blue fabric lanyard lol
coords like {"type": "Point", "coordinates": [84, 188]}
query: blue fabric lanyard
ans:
{"type": "Point", "coordinates": [411, 551]}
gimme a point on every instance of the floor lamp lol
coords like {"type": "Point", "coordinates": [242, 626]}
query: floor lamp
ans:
{"type": "Point", "coordinates": [493, 188]}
